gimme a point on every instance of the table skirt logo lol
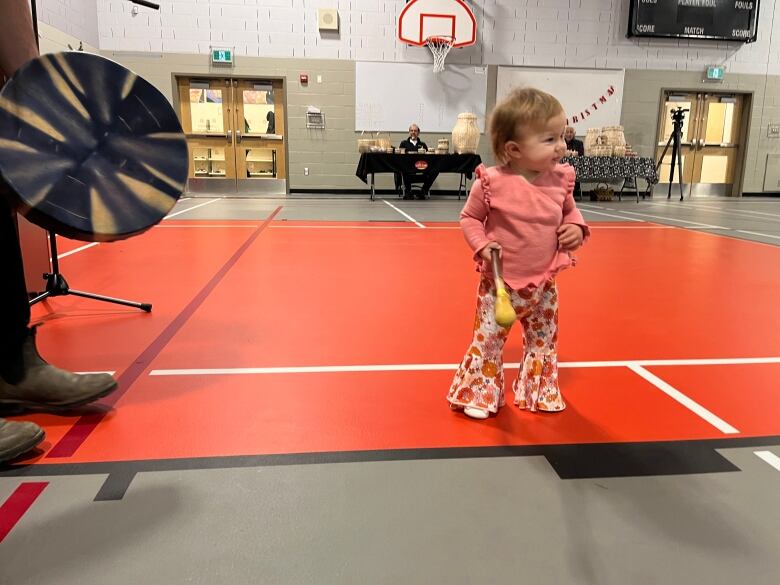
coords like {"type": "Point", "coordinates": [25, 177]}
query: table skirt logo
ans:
{"type": "Point", "coordinates": [421, 165]}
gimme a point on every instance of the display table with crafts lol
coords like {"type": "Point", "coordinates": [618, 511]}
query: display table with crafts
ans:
{"type": "Point", "coordinates": [371, 163]}
{"type": "Point", "coordinates": [594, 169]}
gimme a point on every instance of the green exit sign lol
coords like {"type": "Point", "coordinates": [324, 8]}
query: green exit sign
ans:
{"type": "Point", "coordinates": [222, 56]}
{"type": "Point", "coordinates": [715, 73]}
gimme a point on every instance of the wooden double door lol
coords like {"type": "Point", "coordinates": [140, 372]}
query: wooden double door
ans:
{"type": "Point", "coordinates": [711, 142]}
{"type": "Point", "coordinates": [236, 134]}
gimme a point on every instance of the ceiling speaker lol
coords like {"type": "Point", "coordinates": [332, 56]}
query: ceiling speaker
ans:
{"type": "Point", "coordinates": [328, 19]}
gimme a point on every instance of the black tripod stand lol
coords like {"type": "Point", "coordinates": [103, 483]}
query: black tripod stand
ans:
{"type": "Point", "coordinates": [675, 140]}
{"type": "Point", "coordinates": [57, 286]}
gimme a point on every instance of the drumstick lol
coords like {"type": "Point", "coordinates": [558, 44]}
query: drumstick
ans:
{"type": "Point", "coordinates": [505, 314]}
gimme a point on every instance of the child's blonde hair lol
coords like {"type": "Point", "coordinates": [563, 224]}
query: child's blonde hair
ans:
{"type": "Point", "coordinates": [524, 108]}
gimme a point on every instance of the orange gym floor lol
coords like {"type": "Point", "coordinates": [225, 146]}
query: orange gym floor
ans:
{"type": "Point", "coordinates": [278, 337]}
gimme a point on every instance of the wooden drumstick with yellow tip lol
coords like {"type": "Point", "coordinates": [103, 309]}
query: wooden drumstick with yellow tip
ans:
{"type": "Point", "coordinates": [505, 314]}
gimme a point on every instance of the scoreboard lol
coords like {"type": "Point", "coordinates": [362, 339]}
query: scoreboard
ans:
{"type": "Point", "coordinates": [729, 20]}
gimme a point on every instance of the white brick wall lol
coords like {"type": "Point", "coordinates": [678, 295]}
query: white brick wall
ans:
{"type": "Point", "coordinates": [565, 33]}
{"type": "Point", "coordinates": [77, 18]}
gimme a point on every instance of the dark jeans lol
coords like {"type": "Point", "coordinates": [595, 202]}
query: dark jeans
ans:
{"type": "Point", "coordinates": [426, 179]}
{"type": "Point", "coordinates": [14, 302]}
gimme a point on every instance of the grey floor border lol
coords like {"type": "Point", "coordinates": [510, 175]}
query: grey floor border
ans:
{"type": "Point", "coordinates": [570, 461]}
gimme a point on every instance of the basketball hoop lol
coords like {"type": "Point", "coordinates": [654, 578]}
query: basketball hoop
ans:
{"type": "Point", "coordinates": [440, 46]}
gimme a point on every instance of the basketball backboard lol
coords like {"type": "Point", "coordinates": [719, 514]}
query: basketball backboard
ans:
{"type": "Point", "coordinates": [422, 19]}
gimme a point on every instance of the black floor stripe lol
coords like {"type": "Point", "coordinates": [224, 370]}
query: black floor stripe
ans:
{"type": "Point", "coordinates": [593, 461]}
{"type": "Point", "coordinates": [577, 461]}
{"type": "Point", "coordinates": [116, 485]}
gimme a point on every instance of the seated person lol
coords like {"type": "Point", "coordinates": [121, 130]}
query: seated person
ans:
{"type": "Point", "coordinates": [413, 144]}
{"type": "Point", "coordinates": [574, 147]}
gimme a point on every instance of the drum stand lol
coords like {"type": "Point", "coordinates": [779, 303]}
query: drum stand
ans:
{"type": "Point", "coordinates": [57, 286]}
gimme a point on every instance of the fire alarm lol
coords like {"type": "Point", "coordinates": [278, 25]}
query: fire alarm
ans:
{"type": "Point", "coordinates": [304, 78]}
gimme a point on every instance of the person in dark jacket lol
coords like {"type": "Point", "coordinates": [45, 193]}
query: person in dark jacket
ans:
{"type": "Point", "coordinates": [574, 147]}
{"type": "Point", "coordinates": [414, 144]}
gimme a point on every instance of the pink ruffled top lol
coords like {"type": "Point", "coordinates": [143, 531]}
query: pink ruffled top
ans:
{"type": "Point", "coordinates": [523, 217]}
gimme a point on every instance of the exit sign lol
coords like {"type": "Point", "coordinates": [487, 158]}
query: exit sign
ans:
{"type": "Point", "coordinates": [222, 56]}
{"type": "Point", "coordinates": [715, 73]}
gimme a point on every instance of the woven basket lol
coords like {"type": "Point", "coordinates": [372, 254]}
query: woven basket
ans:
{"type": "Point", "coordinates": [383, 142]}
{"type": "Point", "coordinates": [590, 140]}
{"type": "Point", "coordinates": [601, 150]}
{"type": "Point", "coordinates": [374, 143]}
{"type": "Point", "coordinates": [604, 192]}
{"type": "Point", "coordinates": [366, 144]}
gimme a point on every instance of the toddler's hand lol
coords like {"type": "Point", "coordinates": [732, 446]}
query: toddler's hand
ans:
{"type": "Point", "coordinates": [485, 252]}
{"type": "Point", "coordinates": [570, 236]}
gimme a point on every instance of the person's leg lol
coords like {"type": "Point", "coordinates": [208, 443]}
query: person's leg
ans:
{"type": "Point", "coordinates": [577, 191]}
{"type": "Point", "coordinates": [479, 381]}
{"type": "Point", "coordinates": [16, 438]}
{"type": "Point", "coordinates": [26, 380]}
{"type": "Point", "coordinates": [14, 302]}
{"type": "Point", "coordinates": [408, 186]}
{"type": "Point", "coordinates": [536, 387]}
{"type": "Point", "coordinates": [429, 179]}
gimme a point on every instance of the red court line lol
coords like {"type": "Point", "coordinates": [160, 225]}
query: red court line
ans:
{"type": "Point", "coordinates": [86, 424]}
{"type": "Point", "coordinates": [17, 505]}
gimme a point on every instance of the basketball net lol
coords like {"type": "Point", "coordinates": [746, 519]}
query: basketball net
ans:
{"type": "Point", "coordinates": [439, 47]}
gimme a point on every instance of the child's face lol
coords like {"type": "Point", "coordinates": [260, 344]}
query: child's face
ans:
{"type": "Point", "coordinates": [541, 149]}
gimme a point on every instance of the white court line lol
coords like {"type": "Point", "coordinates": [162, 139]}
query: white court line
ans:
{"type": "Point", "coordinates": [727, 210]}
{"type": "Point", "coordinates": [738, 212]}
{"type": "Point", "coordinates": [248, 226]}
{"type": "Point", "coordinates": [589, 210]}
{"type": "Point", "coordinates": [688, 403]}
{"type": "Point", "coordinates": [635, 366]}
{"type": "Point", "coordinates": [758, 234]}
{"type": "Point", "coordinates": [76, 250]}
{"type": "Point", "coordinates": [311, 369]}
{"type": "Point", "coordinates": [435, 227]}
{"type": "Point", "coordinates": [759, 213]}
{"type": "Point", "coordinates": [696, 223]}
{"type": "Point", "coordinates": [770, 458]}
{"type": "Point", "coordinates": [107, 372]}
{"type": "Point", "coordinates": [350, 227]}
{"type": "Point", "coordinates": [406, 215]}
{"type": "Point", "coordinates": [755, 242]}
{"type": "Point", "coordinates": [673, 205]}
{"type": "Point", "coordinates": [633, 227]}
{"type": "Point", "coordinates": [439, 367]}
{"type": "Point", "coordinates": [87, 246]}
{"type": "Point", "coordinates": [191, 208]}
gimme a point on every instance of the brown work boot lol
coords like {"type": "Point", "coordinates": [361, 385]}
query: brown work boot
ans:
{"type": "Point", "coordinates": [41, 386]}
{"type": "Point", "coordinates": [16, 438]}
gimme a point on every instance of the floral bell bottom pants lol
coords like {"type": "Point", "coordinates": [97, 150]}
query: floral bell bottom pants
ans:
{"type": "Point", "coordinates": [479, 381]}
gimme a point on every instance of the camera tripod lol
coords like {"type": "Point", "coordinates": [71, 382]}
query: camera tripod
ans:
{"type": "Point", "coordinates": [675, 141]}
